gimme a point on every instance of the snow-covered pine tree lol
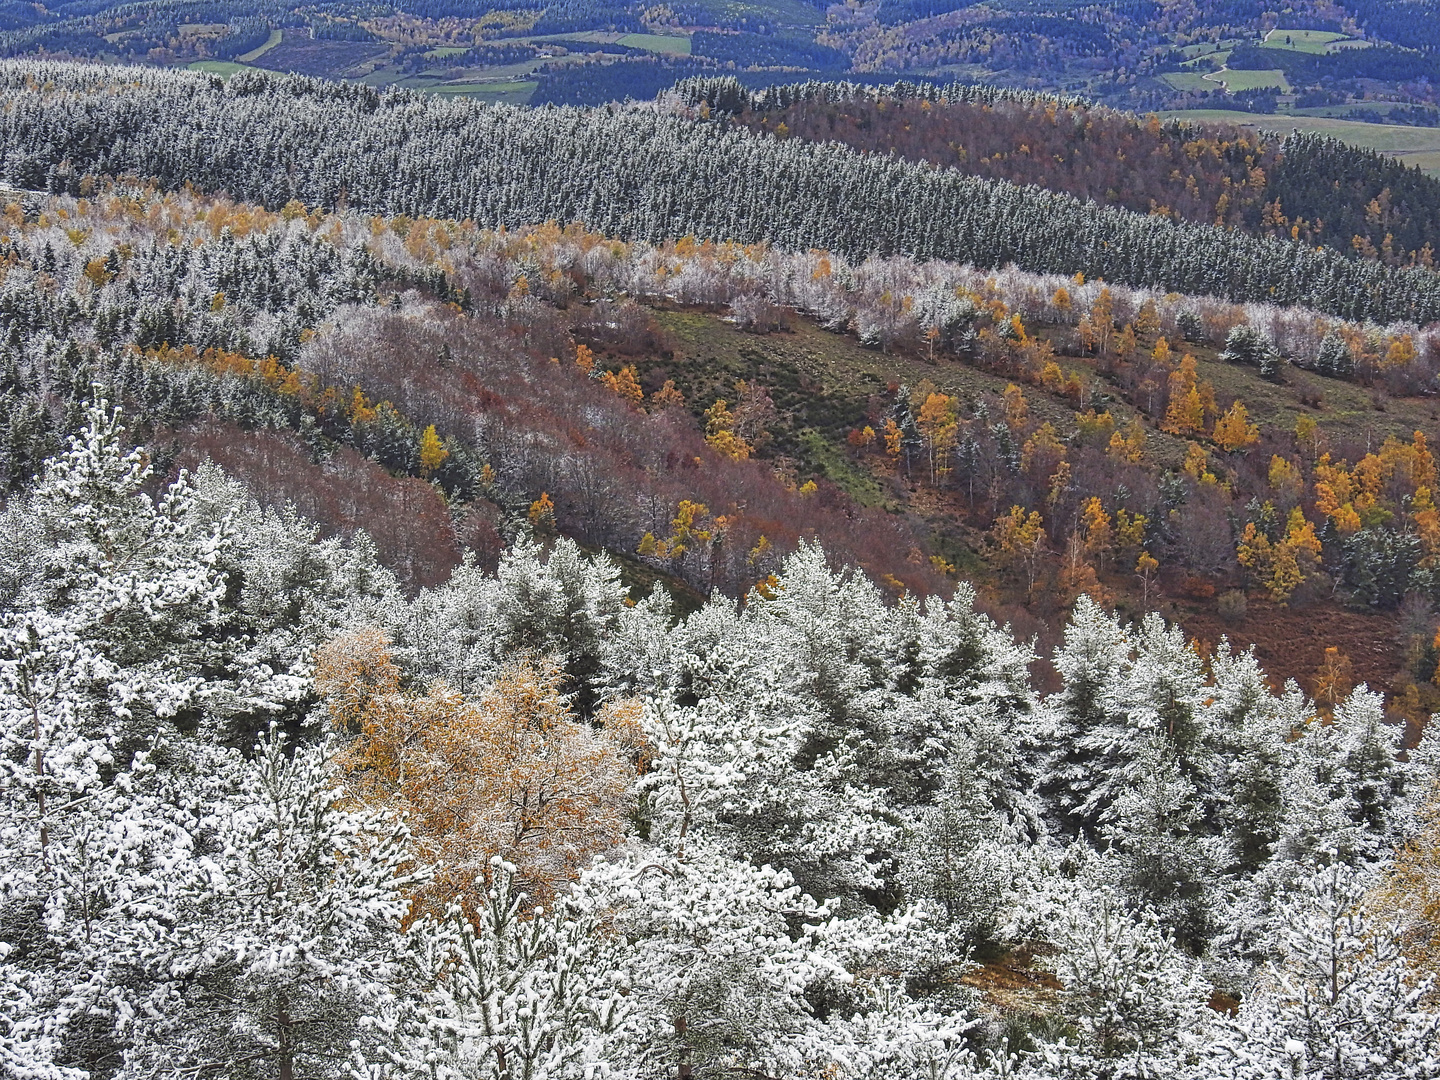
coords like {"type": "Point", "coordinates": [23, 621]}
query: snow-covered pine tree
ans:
{"type": "Point", "coordinates": [1341, 1002]}
{"type": "Point", "coordinates": [278, 936]}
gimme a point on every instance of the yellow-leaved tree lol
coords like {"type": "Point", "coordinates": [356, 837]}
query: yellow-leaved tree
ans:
{"type": "Point", "coordinates": [937, 424]}
{"type": "Point", "coordinates": [511, 772]}
{"type": "Point", "coordinates": [720, 432]}
{"type": "Point", "coordinates": [433, 451]}
{"type": "Point", "coordinates": [1284, 565]}
{"type": "Point", "coordinates": [1020, 540]}
{"type": "Point", "coordinates": [1233, 431]}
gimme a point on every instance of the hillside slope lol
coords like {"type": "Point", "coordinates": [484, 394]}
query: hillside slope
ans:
{"type": "Point", "coordinates": [638, 173]}
{"type": "Point", "coordinates": [698, 409]}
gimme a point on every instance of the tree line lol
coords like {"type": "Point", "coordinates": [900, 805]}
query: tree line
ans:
{"type": "Point", "coordinates": [638, 173]}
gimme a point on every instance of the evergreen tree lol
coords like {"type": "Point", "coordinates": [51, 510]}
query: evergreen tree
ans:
{"type": "Point", "coordinates": [1334, 357]}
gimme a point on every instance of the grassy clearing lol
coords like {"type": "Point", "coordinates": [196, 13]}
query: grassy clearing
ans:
{"type": "Point", "coordinates": [825, 383]}
{"type": "Point", "coordinates": [223, 68]}
{"type": "Point", "coordinates": [1315, 42]}
{"type": "Point", "coordinates": [444, 50]}
{"type": "Point", "coordinates": [1236, 81]}
{"type": "Point", "coordinates": [1207, 48]}
{"type": "Point", "coordinates": [508, 93]}
{"type": "Point", "coordinates": [560, 39]}
{"type": "Point", "coordinates": [658, 43]}
{"type": "Point", "coordinates": [256, 53]}
{"type": "Point", "coordinates": [1189, 81]}
{"type": "Point", "coordinates": [1357, 111]}
{"type": "Point", "coordinates": [1412, 145]}
{"type": "Point", "coordinates": [1347, 411]}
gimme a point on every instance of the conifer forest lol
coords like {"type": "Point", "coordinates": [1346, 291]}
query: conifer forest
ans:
{"type": "Point", "coordinates": [774, 580]}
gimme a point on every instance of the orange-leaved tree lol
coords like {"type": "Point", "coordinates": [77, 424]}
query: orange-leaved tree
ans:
{"type": "Point", "coordinates": [509, 773]}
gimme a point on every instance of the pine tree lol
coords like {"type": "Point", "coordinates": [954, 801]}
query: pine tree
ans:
{"type": "Point", "coordinates": [284, 930]}
{"type": "Point", "coordinates": [507, 990]}
{"type": "Point", "coordinates": [1136, 1001]}
{"type": "Point", "coordinates": [1334, 357]}
{"type": "Point", "coordinates": [1342, 1002]}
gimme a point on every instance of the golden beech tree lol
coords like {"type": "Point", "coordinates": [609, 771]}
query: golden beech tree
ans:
{"type": "Point", "coordinates": [1017, 409]}
{"type": "Point", "coordinates": [1185, 414]}
{"type": "Point", "coordinates": [1233, 431]}
{"type": "Point", "coordinates": [938, 427]}
{"type": "Point", "coordinates": [1285, 478]}
{"type": "Point", "coordinates": [688, 527]}
{"type": "Point", "coordinates": [1190, 400]}
{"type": "Point", "coordinates": [511, 773]}
{"type": "Point", "coordinates": [861, 437]}
{"type": "Point", "coordinates": [1145, 568]}
{"type": "Point", "coordinates": [1130, 446]}
{"type": "Point", "coordinates": [542, 512]}
{"type": "Point", "coordinates": [1147, 325]}
{"type": "Point", "coordinates": [1020, 538]}
{"type": "Point", "coordinates": [1078, 576]}
{"type": "Point", "coordinates": [625, 384]}
{"type": "Point", "coordinates": [1334, 678]}
{"type": "Point", "coordinates": [1095, 427]}
{"type": "Point", "coordinates": [1095, 526]}
{"type": "Point", "coordinates": [1284, 565]}
{"type": "Point", "coordinates": [1307, 435]}
{"type": "Point", "coordinates": [720, 432]}
{"type": "Point", "coordinates": [433, 452]}
{"type": "Point", "coordinates": [1097, 329]}
{"type": "Point", "coordinates": [1197, 465]}
{"type": "Point", "coordinates": [893, 437]}
{"type": "Point", "coordinates": [667, 397]}
{"type": "Point", "coordinates": [1335, 495]}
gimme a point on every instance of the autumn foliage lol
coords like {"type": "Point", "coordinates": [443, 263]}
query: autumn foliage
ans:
{"type": "Point", "coordinates": [509, 773]}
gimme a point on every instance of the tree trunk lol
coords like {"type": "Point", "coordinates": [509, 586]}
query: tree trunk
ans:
{"type": "Point", "coordinates": [286, 1052]}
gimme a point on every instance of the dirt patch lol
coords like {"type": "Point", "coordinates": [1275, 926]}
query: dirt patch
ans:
{"type": "Point", "coordinates": [1291, 643]}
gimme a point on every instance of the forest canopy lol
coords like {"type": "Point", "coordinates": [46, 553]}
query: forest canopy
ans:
{"type": "Point", "coordinates": [479, 598]}
{"type": "Point", "coordinates": [639, 173]}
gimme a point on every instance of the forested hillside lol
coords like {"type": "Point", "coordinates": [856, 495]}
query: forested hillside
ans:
{"type": "Point", "coordinates": [1355, 58]}
{"type": "Point", "coordinates": [638, 173]}
{"type": "Point", "coordinates": [644, 399]}
{"type": "Point", "coordinates": [560, 594]}
{"type": "Point", "coordinates": [1301, 187]}
{"type": "Point", "coordinates": [264, 815]}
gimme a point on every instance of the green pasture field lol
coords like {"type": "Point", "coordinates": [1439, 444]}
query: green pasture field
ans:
{"type": "Point", "coordinates": [658, 43]}
{"type": "Point", "coordinates": [1315, 42]}
{"type": "Point", "coordinates": [1188, 81]}
{"type": "Point", "coordinates": [1235, 80]}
